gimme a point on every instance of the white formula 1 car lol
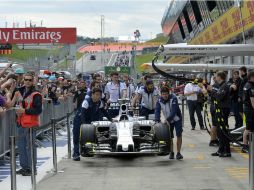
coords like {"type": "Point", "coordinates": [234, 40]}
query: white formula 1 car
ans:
{"type": "Point", "coordinates": [127, 135]}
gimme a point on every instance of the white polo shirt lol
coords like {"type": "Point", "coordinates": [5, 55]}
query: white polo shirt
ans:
{"type": "Point", "coordinates": [130, 90]}
{"type": "Point", "coordinates": [190, 87]}
{"type": "Point", "coordinates": [148, 98]}
{"type": "Point", "coordinates": [115, 91]}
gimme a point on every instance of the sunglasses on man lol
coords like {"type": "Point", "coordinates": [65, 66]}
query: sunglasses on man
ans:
{"type": "Point", "coordinates": [28, 80]}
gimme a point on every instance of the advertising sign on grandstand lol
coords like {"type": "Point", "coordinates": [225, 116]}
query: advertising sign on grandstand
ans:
{"type": "Point", "coordinates": [37, 35]}
{"type": "Point", "coordinates": [121, 70]}
{"type": "Point", "coordinates": [227, 26]}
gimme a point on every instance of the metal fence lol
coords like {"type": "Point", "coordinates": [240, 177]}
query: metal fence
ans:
{"type": "Point", "coordinates": [8, 124]}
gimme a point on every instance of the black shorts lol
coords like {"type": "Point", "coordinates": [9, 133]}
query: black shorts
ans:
{"type": "Point", "coordinates": [249, 114]}
{"type": "Point", "coordinates": [178, 128]}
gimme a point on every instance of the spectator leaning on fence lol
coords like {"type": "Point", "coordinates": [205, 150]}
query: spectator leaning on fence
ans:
{"type": "Point", "coordinates": [2, 103]}
{"type": "Point", "coordinates": [7, 90]}
{"type": "Point", "coordinates": [30, 107]}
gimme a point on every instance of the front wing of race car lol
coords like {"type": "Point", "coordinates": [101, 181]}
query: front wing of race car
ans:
{"type": "Point", "coordinates": [124, 137]}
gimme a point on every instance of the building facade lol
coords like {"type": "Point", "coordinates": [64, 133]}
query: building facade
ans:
{"type": "Point", "coordinates": [210, 22]}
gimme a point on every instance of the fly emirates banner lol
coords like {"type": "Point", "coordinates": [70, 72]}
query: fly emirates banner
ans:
{"type": "Point", "coordinates": [37, 35]}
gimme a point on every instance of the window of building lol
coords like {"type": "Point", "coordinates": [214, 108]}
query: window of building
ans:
{"type": "Point", "coordinates": [220, 6]}
{"type": "Point", "coordinates": [251, 62]}
{"type": "Point", "coordinates": [205, 13]}
{"type": "Point", "coordinates": [231, 3]}
{"type": "Point", "coordinates": [217, 61]}
{"type": "Point", "coordinates": [181, 28]}
{"type": "Point", "coordinates": [196, 11]}
{"type": "Point", "coordinates": [225, 60]}
{"type": "Point", "coordinates": [211, 5]}
{"type": "Point", "coordinates": [187, 19]}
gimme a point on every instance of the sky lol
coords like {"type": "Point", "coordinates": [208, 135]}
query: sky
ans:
{"type": "Point", "coordinates": [122, 17]}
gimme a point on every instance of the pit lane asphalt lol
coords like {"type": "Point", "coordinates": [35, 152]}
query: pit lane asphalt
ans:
{"type": "Point", "coordinates": [90, 66]}
{"type": "Point", "coordinates": [197, 171]}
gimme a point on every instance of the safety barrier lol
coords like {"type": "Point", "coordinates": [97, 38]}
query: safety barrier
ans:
{"type": "Point", "coordinates": [8, 124]}
{"type": "Point", "coordinates": [7, 129]}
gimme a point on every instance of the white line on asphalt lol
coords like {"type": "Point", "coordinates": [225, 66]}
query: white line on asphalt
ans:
{"type": "Point", "coordinates": [111, 58]}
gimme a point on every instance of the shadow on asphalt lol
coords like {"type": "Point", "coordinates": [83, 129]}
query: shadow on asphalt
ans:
{"type": "Point", "coordinates": [126, 161]}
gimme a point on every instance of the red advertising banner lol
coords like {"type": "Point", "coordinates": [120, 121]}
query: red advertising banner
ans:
{"type": "Point", "coordinates": [37, 35]}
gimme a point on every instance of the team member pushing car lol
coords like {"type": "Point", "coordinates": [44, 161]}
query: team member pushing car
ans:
{"type": "Point", "coordinates": [168, 104]}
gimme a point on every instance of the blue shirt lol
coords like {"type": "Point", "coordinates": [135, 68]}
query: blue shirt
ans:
{"type": "Point", "coordinates": [92, 111]}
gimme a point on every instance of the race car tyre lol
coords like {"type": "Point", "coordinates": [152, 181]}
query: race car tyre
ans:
{"type": "Point", "coordinates": [87, 134]}
{"type": "Point", "coordinates": [162, 132]}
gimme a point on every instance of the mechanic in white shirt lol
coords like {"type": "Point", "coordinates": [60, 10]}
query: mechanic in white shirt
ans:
{"type": "Point", "coordinates": [114, 90]}
{"type": "Point", "coordinates": [142, 82]}
{"type": "Point", "coordinates": [130, 90]}
{"type": "Point", "coordinates": [149, 95]}
{"type": "Point", "coordinates": [191, 91]}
